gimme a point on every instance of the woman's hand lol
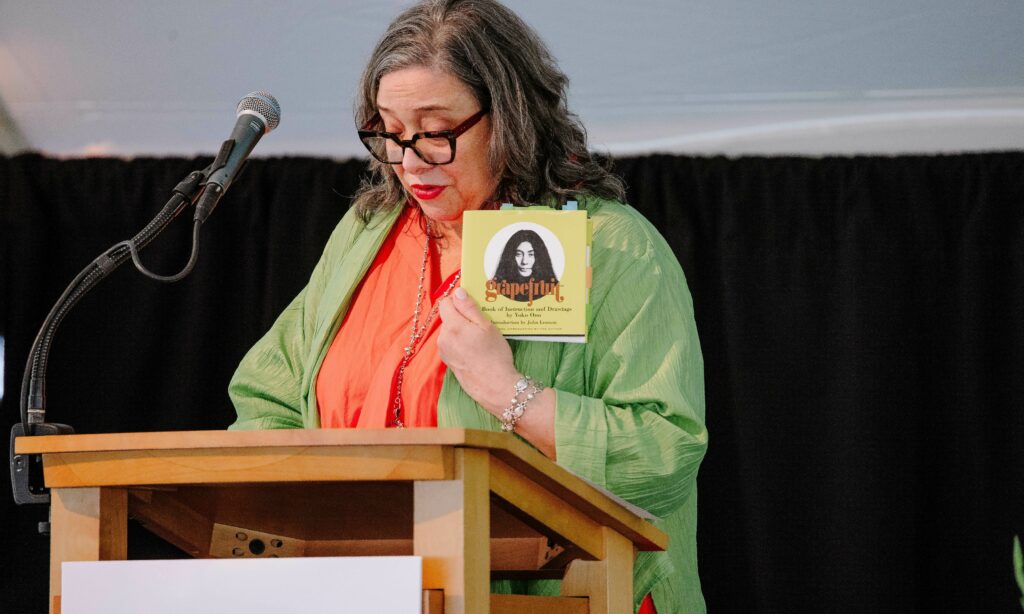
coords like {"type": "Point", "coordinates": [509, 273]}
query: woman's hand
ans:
{"type": "Point", "coordinates": [481, 359]}
{"type": "Point", "coordinates": [476, 352]}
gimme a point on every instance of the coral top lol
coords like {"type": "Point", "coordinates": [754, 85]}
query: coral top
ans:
{"type": "Point", "coordinates": [356, 384]}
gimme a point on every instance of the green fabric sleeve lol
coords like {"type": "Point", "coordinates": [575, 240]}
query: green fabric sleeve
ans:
{"type": "Point", "coordinates": [636, 427]}
{"type": "Point", "coordinates": [269, 387]}
{"type": "Point", "coordinates": [266, 389]}
{"type": "Point", "coordinates": [639, 431]}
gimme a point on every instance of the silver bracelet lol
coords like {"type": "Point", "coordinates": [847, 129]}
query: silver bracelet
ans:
{"type": "Point", "coordinates": [525, 389]}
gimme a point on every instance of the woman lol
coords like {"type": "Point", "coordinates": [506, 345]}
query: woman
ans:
{"type": "Point", "coordinates": [525, 257]}
{"type": "Point", "coordinates": [462, 107]}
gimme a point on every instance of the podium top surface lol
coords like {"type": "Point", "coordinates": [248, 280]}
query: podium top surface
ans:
{"type": "Point", "coordinates": [202, 440]}
{"type": "Point", "coordinates": [97, 451]}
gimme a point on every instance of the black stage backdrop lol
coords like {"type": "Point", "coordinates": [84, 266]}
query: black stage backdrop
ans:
{"type": "Point", "coordinates": [861, 320]}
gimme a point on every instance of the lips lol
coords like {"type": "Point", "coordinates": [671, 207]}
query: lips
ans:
{"type": "Point", "coordinates": [426, 192]}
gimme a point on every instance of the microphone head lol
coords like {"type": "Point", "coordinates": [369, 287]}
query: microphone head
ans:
{"type": "Point", "coordinates": [263, 105]}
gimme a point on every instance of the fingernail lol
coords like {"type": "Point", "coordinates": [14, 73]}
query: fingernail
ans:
{"type": "Point", "coordinates": [459, 292]}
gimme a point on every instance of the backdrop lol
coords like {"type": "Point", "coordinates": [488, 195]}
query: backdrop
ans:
{"type": "Point", "coordinates": [860, 320]}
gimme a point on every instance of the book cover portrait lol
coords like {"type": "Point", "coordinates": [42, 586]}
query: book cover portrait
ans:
{"type": "Point", "coordinates": [524, 262]}
{"type": "Point", "coordinates": [527, 269]}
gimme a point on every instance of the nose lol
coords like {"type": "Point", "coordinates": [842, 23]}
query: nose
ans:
{"type": "Point", "coordinates": [411, 162]}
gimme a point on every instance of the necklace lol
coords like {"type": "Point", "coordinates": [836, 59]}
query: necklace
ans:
{"type": "Point", "coordinates": [417, 330]}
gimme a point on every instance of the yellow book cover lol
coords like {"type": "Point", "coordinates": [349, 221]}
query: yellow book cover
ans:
{"type": "Point", "coordinates": [528, 269]}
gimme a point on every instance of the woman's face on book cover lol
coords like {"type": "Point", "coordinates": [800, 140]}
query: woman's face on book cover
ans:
{"type": "Point", "coordinates": [419, 99]}
{"type": "Point", "coordinates": [525, 258]}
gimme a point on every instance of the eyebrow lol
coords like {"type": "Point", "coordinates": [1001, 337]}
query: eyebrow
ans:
{"type": "Point", "coordinates": [427, 107]}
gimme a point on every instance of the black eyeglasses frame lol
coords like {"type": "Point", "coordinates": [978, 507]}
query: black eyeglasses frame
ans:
{"type": "Point", "coordinates": [451, 135]}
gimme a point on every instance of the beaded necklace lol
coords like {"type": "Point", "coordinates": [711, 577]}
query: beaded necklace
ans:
{"type": "Point", "coordinates": [417, 330]}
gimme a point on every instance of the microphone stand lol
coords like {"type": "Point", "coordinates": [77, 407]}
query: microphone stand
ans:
{"type": "Point", "coordinates": [26, 469]}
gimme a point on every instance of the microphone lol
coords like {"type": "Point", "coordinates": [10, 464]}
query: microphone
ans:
{"type": "Point", "coordinates": [258, 113]}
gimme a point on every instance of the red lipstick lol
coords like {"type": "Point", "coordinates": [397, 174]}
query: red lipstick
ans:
{"type": "Point", "coordinates": [426, 192]}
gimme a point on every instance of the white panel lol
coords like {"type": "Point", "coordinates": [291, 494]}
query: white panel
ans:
{"type": "Point", "coordinates": [384, 585]}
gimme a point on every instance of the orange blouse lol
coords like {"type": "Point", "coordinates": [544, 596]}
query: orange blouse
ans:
{"type": "Point", "coordinates": [356, 384]}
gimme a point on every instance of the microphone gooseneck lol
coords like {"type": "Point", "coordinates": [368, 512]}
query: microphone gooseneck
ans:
{"type": "Point", "coordinates": [258, 113]}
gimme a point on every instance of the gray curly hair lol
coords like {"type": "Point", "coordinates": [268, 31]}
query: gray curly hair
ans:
{"type": "Point", "coordinates": [538, 148]}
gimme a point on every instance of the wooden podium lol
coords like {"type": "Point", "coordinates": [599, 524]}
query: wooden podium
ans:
{"type": "Point", "coordinates": [475, 505]}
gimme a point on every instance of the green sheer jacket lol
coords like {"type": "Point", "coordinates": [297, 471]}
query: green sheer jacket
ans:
{"type": "Point", "coordinates": [629, 411]}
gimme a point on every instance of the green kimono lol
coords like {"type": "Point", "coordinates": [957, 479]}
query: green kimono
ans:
{"type": "Point", "coordinates": [629, 411]}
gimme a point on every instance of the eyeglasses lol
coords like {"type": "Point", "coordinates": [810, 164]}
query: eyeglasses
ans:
{"type": "Point", "coordinates": [436, 147]}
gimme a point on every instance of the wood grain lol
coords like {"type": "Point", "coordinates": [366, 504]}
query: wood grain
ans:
{"type": "Point", "coordinates": [322, 519]}
{"type": "Point", "coordinates": [246, 465]}
{"type": "Point", "coordinates": [607, 583]}
{"type": "Point", "coordinates": [433, 601]}
{"type": "Point", "coordinates": [87, 524]}
{"type": "Point", "coordinates": [165, 514]}
{"type": "Point", "coordinates": [557, 517]}
{"type": "Point", "coordinates": [451, 529]}
{"type": "Point", "coordinates": [531, 604]}
{"type": "Point", "coordinates": [196, 440]}
{"type": "Point", "coordinates": [353, 492]}
{"type": "Point", "coordinates": [510, 449]}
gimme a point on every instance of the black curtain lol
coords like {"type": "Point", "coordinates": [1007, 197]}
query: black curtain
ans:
{"type": "Point", "coordinates": [861, 321]}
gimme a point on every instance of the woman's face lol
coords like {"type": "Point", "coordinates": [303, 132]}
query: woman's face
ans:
{"type": "Point", "coordinates": [420, 99]}
{"type": "Point", "coordinates": [525, 258]}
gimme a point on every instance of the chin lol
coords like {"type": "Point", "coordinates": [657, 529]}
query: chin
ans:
{"type": "Point", "coordinates": [440, 212]}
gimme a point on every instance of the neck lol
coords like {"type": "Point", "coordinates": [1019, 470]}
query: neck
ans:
{"type": "Point", "coordinates": [449, 249]}
{"type": "Point", "coordinates": [448, 231]}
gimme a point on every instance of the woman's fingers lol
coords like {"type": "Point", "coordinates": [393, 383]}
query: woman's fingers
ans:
{"type": "Point", "coordinates": [447, 310]}
{"type": "Point", "coordinates": [467, 307]}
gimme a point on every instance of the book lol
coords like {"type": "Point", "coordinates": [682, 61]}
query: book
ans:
{"type": "Point", "coordinates": [528, 268]}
